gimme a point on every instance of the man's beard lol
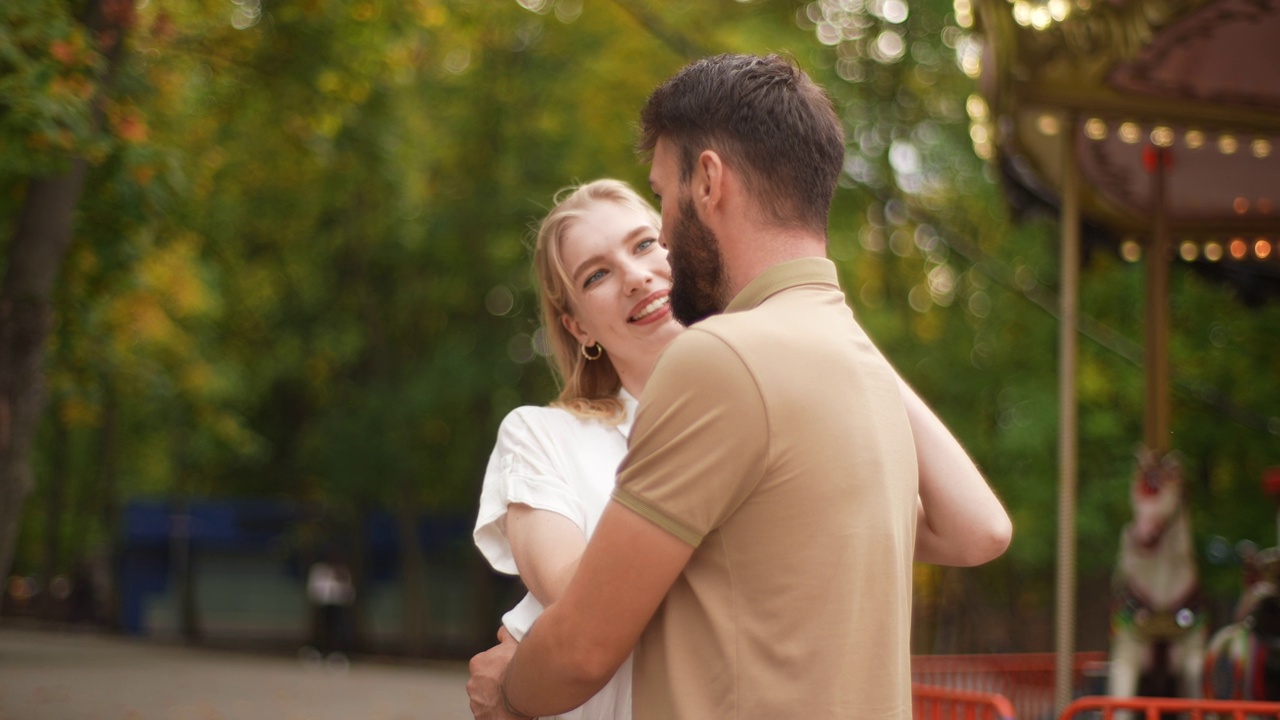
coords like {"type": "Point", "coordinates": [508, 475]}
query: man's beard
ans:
{"type": "Point", "coordinates": [698, 286]}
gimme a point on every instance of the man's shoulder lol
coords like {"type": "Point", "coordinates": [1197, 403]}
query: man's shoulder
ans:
{"type": "Point", "coordinates": [706, 343]}
{"type": "Point", "coordinates": [728, 328]}
{"type": "Point", "coordinates": [705, 358]}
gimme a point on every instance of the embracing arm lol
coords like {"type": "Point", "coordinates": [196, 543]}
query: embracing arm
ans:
{"type": "Point", "coordinates": [961, 522]}
{"type": "Point", "coordinates": [582, 640]}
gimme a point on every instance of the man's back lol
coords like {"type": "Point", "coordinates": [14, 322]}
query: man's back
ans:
{"type": "Point", "coordinates": [773, 439]}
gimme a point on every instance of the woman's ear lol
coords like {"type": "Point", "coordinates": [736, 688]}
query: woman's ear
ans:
{"type": "Point", "coordinates": [571, 324]}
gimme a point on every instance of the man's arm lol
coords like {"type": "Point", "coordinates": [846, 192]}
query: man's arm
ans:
{"type": "Point", "coordinates": [578, 644]}
{"type": "Point", "coordinates": [961, 521]}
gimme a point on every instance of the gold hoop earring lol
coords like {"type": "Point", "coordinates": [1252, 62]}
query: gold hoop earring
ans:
{"type": "Point", "coordinates": [599, 352]}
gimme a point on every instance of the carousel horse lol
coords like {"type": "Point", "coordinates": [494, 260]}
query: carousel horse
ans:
{"type": "Point", "coordinates": [1158, 629]}
{"type": "Point", "coordinates": [1243, 661]}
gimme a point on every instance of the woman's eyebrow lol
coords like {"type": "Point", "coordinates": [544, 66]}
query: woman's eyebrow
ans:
{"type": "Point", "coordinates": [597, 258]}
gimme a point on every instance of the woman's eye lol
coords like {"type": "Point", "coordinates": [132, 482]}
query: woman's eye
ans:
{"type": "Point", "coordinates": [592, 278]}
{"type": "Point", "coordinates": [646, 244]}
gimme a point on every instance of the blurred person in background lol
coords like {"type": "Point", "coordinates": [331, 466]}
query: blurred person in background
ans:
{"type": "Point", "coordinates": [332, 594]}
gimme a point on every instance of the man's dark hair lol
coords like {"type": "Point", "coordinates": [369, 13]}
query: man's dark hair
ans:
{"type": "Point", "coordinates": [766, 119]}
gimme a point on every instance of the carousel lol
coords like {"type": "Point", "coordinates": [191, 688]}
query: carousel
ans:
{"type": "Point", "coordinates": [1152, 127]}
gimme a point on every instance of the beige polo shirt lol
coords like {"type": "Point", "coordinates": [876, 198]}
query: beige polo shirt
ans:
{"type": "Point", "coordinates": [773, 439]}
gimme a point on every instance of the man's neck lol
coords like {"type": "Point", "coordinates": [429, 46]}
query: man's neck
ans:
{"type": "Point", "coordinates": [747, 259]}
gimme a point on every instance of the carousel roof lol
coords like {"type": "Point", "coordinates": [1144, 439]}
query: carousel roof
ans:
{"type": "Point", "coordinates": [1123, 83]}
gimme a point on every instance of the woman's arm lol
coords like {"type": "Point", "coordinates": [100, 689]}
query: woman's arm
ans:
{"type": "Point", "coordinates": [960, 520]}
{"type": "Point", "coordinates": [547, 547]}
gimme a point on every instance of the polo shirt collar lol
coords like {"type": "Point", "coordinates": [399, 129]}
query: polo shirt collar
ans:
{"type": "Point", "coordinates": [784, 275]}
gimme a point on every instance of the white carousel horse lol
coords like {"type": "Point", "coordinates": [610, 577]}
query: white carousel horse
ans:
{"type": "Point", "coordinates": [1243, 661]}
{"type": "Point", "coordinates": [1158, 629]}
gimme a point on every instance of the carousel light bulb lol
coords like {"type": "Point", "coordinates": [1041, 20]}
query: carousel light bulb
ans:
{"type": "Point", "coordinates": [1260, 147]}
{"type": "Point", "coordinates": [1048, 124]}
{"type": "Point", "coordinates": [1239, 248]}
{"type": "Point", "coordinates": [1095, 129]}
{"type": "Point", "coordinates": [1262, 248]}
{"type": "Point", "coordinates": [1240, 205]}
{"type": "Point", "coordinates": [1227, 144]}
{"type": "Point", "coordinates": [1059, 10]}
{"type": "Point", "coordinates": [1188, 250]}
{"type": "Point", "coordinates": [1212, 252]}
{"type": "Point", "coordinates": [1040, 18]}
{"type": "Point", "coordinates": [1130, 132]}
{"type": "Point", "coordinates": [1131, 251]}
{"type": "Point", "coordinates": [1022, 12]}
{"type": "Point", "coordinates": [1162, 136]}
{"type": "Point", "coordinates": [1194, 139]}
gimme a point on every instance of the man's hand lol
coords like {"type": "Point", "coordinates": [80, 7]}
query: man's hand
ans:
{"type": "Point", "coordinates": [484, 687]}
{"type": "Point", "coordinates": [581, 640]}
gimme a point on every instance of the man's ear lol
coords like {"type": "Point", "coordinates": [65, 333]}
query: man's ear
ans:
{"type": "Point", "coordinates": [571, 324]}
{"type": "Point", "coordinates": [708, 180]}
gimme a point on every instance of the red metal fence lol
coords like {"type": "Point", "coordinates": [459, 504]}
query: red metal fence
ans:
{"type": "Point", "coordinates": [1145, 708]}
{"type": "Point", "coordinates": [938, 703]}
{"type": "Point", "coordinates": [1025, 679]}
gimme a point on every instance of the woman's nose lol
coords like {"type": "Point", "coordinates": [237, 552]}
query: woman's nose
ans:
{"type": "Point", "coordinates": [638, 276]}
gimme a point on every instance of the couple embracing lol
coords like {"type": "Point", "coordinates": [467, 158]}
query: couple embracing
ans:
{"type": "Point", "coordinates": [733, 482]}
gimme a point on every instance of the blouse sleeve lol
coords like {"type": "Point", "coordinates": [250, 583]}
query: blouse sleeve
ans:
{"type": "Point", "coordinates": [525, 467]}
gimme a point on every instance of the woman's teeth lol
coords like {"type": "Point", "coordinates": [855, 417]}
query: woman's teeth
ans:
{"type": "Point", "coordinates": [650, 308]}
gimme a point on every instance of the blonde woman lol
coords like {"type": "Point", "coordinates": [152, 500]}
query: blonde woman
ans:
{"type": "Point", "coordinates": [604, 281]}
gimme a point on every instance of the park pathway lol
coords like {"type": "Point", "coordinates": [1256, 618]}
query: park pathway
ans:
{"type": "Point", "coordinates": [79, 676]}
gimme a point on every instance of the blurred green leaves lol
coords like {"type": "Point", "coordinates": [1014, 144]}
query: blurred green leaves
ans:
{"type": "Point", "coordinates": [301, 263]}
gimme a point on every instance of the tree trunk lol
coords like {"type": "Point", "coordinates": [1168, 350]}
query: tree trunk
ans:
{"type": "Point", "coordinates": [35, 257]}
{"type": "Point", "coordinates": [413, 579]}
{"type": "Point", "coordinates": [357, 562]}
{"type": "Point", "coordinates": [110, 504]}
{"type": "Point", "coordinates": [182, 550]}
{"type": "Point", "coordinates": [55, 504]}
{"type": "Point", "coordinates": [183, 572]}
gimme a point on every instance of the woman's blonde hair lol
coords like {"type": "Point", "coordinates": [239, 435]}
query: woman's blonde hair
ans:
{"type": "Point", "coordinates": [588, 388]}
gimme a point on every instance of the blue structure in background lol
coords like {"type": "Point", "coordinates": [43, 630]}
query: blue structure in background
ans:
{"type": "Point", "coordinates": [156, 531]}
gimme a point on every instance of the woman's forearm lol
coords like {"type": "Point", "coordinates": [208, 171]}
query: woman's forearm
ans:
{"type": "Point", "coordinates": [961, 521]}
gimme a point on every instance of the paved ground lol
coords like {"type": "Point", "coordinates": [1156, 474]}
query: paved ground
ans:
{"type": "Point", "coordinates": [66, 676]}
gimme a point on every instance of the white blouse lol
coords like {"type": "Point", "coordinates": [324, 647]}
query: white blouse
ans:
{"type": "Point", "coordinates": [549, 459]}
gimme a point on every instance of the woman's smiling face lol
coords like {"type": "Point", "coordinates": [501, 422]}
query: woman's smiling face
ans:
{"type": "Point", "coordinates": [620, 280]}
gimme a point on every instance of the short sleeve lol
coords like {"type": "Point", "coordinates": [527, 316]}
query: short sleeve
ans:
{"type": "Point", "coordinates": [526, 467]}
{"type": "Point", "coordinates": [700, 439]}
